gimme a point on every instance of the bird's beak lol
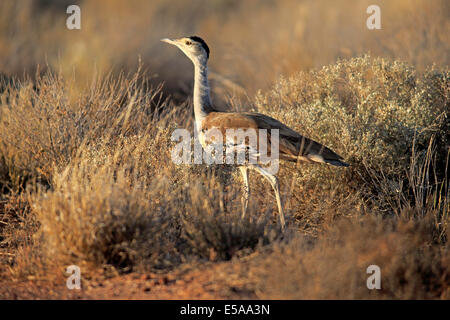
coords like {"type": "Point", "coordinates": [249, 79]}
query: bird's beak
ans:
{"type": "Point", "coordinates": [169, 41]}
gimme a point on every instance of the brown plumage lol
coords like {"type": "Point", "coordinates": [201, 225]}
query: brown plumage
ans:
{"type": "Point", "coordinates": [292, 145]}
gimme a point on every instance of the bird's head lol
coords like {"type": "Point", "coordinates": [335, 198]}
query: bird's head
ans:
{"type": "Point", "coordinates": [194, 47]}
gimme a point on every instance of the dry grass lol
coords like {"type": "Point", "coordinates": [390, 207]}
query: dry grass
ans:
{"type": "Point", "coordinates": [389, 122]}
{"type": "Point", "coordinates": [85, 170]}
{"type": "Point", "coordinates": [59, 121]}
{"type": "Point", "coordinates": [248, 39]}
{"type": "Point", "coordinates": [97, 171]}
{"type": "Point", "coordinates": [335, 266]}
{"type": "Point", "coordinates": [102, 191]}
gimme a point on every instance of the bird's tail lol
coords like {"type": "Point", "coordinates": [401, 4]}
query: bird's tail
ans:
{"type": "Point", "coordinates": [337, 163]}
{"type": "Point", "coordinates": [328, 157]}
{"type": "Point", "coordinates": [312, 151]}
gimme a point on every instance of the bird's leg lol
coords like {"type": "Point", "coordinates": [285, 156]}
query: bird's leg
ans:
{"type": "Point", "coordinates": [246, 195]}
{"type": "Point", "coordinates": [276, 188]}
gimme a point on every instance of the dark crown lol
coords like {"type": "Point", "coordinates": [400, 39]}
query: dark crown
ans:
{"type": "Point", "coordinates": [202, 42]}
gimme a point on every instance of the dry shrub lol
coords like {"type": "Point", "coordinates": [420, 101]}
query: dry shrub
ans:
{"type": "Point", "coordinates": [126, 205]}
{"type": "Point", "coordinates": [17, 226]}
{"type": "Point", "coordinates": [427, 196]}
{"type": "Point", "coordinates": [112, 195]}
{"type": "Point", "coordinates": [90, 162]}
{"type": "Point", "coordinates": [377, 114]}
{"type": "Point", "coordinates": [410, 245]}
{"type": "Point", "coordinates": [334, 267]}
{"type": "Point", "coordinates": [213, 227]}
{"type": "Point", "coordinates": [104, 190]}
{"type": "Point", "coordinates": [107, 208]}
{"type": "Point", "coordinates": [43, 125]}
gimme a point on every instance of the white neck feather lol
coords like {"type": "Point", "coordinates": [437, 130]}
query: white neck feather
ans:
{"type": "Point", "coordinates": [202, 100]}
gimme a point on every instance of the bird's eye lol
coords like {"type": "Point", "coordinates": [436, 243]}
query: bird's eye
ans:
{"type": "Point", "coordinates": [188, 42]}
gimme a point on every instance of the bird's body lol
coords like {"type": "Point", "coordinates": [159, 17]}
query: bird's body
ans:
{"type": "Point", "coordinates": [291, 145]}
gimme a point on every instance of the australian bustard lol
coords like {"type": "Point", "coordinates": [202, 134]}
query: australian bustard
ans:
{"type": "Point", "coordinates": [292, 146]}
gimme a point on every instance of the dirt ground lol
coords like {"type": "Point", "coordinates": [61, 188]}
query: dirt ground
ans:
{"type": "Point", "coordinates": [224, 280]}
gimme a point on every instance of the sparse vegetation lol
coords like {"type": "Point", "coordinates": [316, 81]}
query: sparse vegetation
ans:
{"type": "Point", "coordinates": [86, 176]}
{"type": "Point", "coordinates": [390, 122]}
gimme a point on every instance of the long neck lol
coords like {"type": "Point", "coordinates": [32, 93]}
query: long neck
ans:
{"type": "Point", "coordinates": [202, 100]}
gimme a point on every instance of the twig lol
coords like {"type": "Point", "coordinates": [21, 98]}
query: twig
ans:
{"type": "Point", "coordinates": [7, 254]}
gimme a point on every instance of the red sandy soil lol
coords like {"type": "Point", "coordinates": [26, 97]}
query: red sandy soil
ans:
{"type": "Point", "coordinates": [225, 280]}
